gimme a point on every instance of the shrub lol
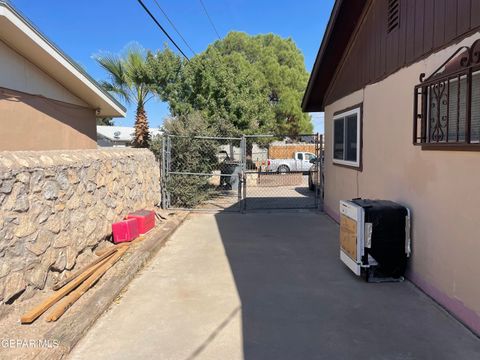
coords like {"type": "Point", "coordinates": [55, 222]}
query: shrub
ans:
{"type": "Point", "coordinates": [188, 154]}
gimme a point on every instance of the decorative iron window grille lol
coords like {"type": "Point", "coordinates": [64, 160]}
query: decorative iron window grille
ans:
{"type": "Point", "coordinates": [447, 103]}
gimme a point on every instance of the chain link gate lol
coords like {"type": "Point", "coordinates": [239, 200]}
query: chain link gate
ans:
{"type": "Point", "coordinates": [240, 174]}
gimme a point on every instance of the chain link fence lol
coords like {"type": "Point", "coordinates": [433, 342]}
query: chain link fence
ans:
{"type": "Point", "coordinates": [281, 172]}
{"type": "Point", "coordinates": [202, 173]}
{"type": "Point", "coordinates": [240, 174]}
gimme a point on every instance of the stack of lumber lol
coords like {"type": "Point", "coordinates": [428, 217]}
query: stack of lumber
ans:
{"type": "Point", "coordinates": [73, 287]}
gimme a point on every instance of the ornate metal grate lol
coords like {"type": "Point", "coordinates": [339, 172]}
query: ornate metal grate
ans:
{"type": "Point", "coordinates": [447, 103]}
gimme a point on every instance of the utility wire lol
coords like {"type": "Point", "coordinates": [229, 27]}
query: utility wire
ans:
{"type": "Point", "coordinates": [161, 28]}
{"type": "Point", "coordinates": [174, 27]}
{"type": "Point", "coordinates": [210, 19]}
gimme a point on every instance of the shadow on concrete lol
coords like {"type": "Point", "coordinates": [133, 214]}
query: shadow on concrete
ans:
{"type": "Point", "coordinates": [305, 191]}
{"type": "Point", "coordinates": [300, 302]}
{"type": "Point", "coordinates": [213, 334]}
{"type": "Point", "coordinates": [279, 203]}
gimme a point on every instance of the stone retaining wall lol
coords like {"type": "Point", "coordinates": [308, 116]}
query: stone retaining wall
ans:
{"type": "Point", "coordinates": [56, 206]}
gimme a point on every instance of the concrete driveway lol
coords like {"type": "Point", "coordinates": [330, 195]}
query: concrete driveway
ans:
{"type": "Point", "coordinates": [269, 286]}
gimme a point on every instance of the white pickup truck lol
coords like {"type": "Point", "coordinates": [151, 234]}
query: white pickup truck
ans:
{"type": "Point", "coordinates": [301, 162]}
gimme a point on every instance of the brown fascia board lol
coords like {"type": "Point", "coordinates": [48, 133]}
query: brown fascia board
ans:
{"type": "Point", "coordinates": [341, 25]}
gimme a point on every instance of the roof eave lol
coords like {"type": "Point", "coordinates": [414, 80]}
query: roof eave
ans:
{"type": "Point", "coordinates": [306, 107]}
{"type": "Point", "coordinates": [56, 63]}
{"type": "Point", "coordinates": [328, 58]}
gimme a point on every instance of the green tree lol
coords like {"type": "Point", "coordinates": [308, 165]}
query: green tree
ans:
{"type": "Point", "coordinates": [130, 81]}
{"type": "Point", "coordinates": [188, 154]}
{"type": "Point", "coordinates": [284, 75]}
{"type": "Point", "coordinates": [241, 84]}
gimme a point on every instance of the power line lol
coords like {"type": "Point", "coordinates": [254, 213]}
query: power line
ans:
{"type": "Point", "coordinates": [161, 28]}
{"type": "Point", "coordinates": [210, 19]}
{"type": "Point", "coordinates": [174, 27]}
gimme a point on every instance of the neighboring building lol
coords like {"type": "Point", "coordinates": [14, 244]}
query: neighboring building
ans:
{"type": "Point", "coordinates": [393, 133]}
{"type": "Point", "coordinates": [118, 136]}
{"type": "Point", "coordinates": [47, 101]}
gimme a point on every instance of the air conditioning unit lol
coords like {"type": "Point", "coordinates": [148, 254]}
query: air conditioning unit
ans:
{"type": "Point", "coordinates": [375, 238]}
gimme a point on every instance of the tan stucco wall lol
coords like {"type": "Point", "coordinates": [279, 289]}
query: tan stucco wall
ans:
{"type": "Point", "coordinates": [30, 122]}
{"type": "Point", "coordinates": [38, 113]}
{"type": "Point", "coordinates": [442, 188]}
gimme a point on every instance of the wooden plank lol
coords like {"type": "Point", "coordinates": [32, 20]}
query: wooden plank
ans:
{"type": "Point", "coordinates": [69, 331]}
{"type": "Point", "coordinates": [419, 28]}
{"type": "Point", "coordinates": [450, 20]}
{"type": "Point", "coordinates": [463, 16]}
{"type": "Point", "coordinates": [64, 282]}
{"type": "Point", "coordinates": [38, 310]}
{"type": "Point", "coordinates": [439, 23]}
{"type": "Point", "coordinates": [71, 298]}
{"type": "Point", "coordinates": [392, 50]}
{"type": "Point", "coordinates": [370, 56]}
{"type": "Point", "coordinates": [348, 236]}
{"type": "Point", "coordinates": [410, 43]}
{"type": "Point", "coordinates": [376, 34]}
{"type": "Point", "coordinates": [118, 246]}
{"type": "Point", "coordinates": [287, 151]}
{"type": "Point", "coordinates": [402, 33]}
{"type": "Point", "coordinates": [121, 245]}
{"type": "Point", "coordinates": [428, 26]}
{"type": "Point", "coordinates": [361, 47]}
{"type": "Point", "coordinates": [475, 14]}
{"type": "Point", "coordinates": [383, 7]}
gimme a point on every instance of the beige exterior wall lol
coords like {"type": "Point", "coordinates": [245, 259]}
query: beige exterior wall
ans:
{"type": "Point", "coordinates": [442, 188]}
{"type": "Point", "coordinates": [36, 112]}
{"type": "Point", "coordinates": [20, 74]}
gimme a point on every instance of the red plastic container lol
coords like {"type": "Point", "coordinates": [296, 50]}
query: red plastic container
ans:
{"type": "Point", "coordinates": [145, 219]}
{"type": "Point", "coordinates": [125, 231]}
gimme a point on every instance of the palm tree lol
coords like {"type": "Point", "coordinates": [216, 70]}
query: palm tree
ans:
{"type": "Point", "coordinates": [130, 81]}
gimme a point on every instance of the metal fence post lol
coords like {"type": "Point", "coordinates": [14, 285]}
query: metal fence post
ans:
{"type": "Point", "coordinates": [320, 174]}
{"type": "Point", "coordinates": [163, 187]}
{"type": "Point", "coordinates": [243, 150]}
{"type": "Point", "coordinates": [240, 189]}
{"type": "Point", "coordinates": [168, 159]}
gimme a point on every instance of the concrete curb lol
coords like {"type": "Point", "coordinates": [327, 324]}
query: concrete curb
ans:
{"type": "Point", "coordinates": [73, 326]}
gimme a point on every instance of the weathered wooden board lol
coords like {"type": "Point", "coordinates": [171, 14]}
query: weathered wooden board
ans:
{"type": "Point", "coordinates": [348, 236]}
{"type": "Point", "coordinates": [287, 151]}
{"type": "Point", "coordinates": [33, 314]}
{"type": "Point", "coordinates": [70, 299]}
{"type": "Point", "coordinates": [64, 282]}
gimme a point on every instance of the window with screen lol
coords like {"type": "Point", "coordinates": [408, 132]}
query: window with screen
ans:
{"type": "Point", "coordinates": [346, 138]}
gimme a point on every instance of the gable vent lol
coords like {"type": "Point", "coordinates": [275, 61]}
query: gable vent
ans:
{"type": "Point", "coordinates": [393, 15]}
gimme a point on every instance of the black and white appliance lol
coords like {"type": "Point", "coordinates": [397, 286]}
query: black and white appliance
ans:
{"type": "Point", "coordinates": [375, 236]}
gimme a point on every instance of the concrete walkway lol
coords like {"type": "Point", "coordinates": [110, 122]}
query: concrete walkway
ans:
{"type": "Point", "coordinates": [269, 286]}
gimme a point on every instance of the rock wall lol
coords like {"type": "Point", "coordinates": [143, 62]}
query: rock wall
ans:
{"type": "Point", "coordinates": [57, 206]}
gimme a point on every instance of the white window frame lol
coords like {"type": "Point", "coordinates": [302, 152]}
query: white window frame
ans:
{"type": "Point", "coordinates": [340, 116]}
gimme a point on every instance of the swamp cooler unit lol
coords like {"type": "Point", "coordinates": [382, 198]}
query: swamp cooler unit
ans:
{"type": "Point", "coordinates": [375, 238]}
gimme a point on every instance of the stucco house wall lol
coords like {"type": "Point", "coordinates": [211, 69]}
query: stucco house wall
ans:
{"type": "Point", "coordinates": [440, 187]}
{"type": "Point", "coordinates": [37, 112]}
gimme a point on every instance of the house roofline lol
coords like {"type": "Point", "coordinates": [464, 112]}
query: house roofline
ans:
{"type": "Point", "coordinates": [346, 14]}
{"type": "Point", "coordinates": [321, 51]}
{"type": "Point", "coordinates": [119, 109]}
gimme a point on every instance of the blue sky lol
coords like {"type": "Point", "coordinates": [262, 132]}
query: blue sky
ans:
{"type": "Point", "coordinates": [85, 28]}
